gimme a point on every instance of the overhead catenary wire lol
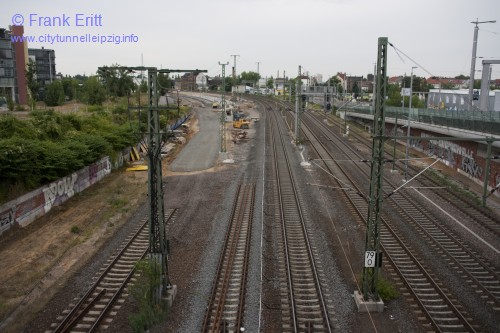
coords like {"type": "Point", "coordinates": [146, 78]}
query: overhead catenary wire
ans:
{"type": "Point", "coordinates": [345, 186]}
{"type": "Point", "coordinates": [409, 58]}
{"type": "Point", "coordinates": [491, 32]}
{"type": "Point", "coordinates": [344, 247]}
{"type": "Point", "coordinates": [418, 174]}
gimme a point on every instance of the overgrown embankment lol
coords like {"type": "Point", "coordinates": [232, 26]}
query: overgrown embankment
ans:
{"type": "Point", "coordinates": [50, 145]}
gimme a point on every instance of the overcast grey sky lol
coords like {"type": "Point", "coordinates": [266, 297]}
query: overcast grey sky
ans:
{"type": "Point", "coordinates": [323, 36]}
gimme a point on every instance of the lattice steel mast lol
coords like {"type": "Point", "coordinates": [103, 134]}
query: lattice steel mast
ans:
{"type": "Point", "coordinates": [372, 243]}
{"type": "Point", "coordinates": [158, 251]}
{"type": "Point", "coordinates": [298, 105]}
{"type": "Point", "coordinates": [223, 112]}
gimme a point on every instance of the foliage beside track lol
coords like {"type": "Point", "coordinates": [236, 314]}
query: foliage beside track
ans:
{"type": "Point", "coordinates": [50, 145]}
{"type": "Point", "coordinates": [148, 313]}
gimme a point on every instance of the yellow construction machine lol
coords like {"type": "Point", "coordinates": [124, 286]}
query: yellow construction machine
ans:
{"type": "Point", "coordinates": [241, 123]}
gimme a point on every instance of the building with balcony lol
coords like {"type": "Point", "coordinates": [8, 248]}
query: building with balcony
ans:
{"type": "Point", "coordinates": [13, 61]}
{"type": "Point", "coordinates": [45, 60]}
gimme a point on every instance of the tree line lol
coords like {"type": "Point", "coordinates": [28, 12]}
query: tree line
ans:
{"type": "Point", "coordinates": [109, 84]}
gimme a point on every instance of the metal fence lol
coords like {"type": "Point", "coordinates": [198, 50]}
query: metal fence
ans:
{"type": "Point", "coordinates": [477, 121]}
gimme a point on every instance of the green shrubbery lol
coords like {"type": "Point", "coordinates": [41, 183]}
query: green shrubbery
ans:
{"type": "Point", "coordinates": [147, 282]}
{"type": "Point", "coordinates": [51, 145]}
{"type": "Point", "coordinates": [386, 290]}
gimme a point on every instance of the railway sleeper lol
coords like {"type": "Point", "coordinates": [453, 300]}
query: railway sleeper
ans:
{"type": "Point", "coordinates": [455, 327]}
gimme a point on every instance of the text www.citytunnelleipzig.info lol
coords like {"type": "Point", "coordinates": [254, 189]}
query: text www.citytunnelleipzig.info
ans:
{"type": "Point", "coordinates": [82, 38]}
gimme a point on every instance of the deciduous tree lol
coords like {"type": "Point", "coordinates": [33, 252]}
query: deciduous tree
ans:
{"type": "Point", "coordinates": [94, 91]}
{"type": "Point", "coordinates": [54, 94]}
{"type": "Point", "coordinates": [32, 83]}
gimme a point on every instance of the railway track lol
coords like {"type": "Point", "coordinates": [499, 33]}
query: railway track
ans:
{"type": "Point", "coordinates": [95, 310]}
{"type": "Point", "coordinates": [225, 311]}
{"type": "Point", "coordinates": [480, 274]}
{"type": "Point", "coordinates": [305, 306]}
{"type": "Point", "coordinates": [471, 212]}
{"type": "Point", "coordinates": [442, 309]}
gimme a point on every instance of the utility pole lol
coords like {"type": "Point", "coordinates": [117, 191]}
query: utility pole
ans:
{"type": "Point", "coordinates": [298, 93]}
{"type": "Point", "coordinates": [258, 63]}
{"type": "Point", "coordinates": [373, 90]}
{"type": "Point", "coordinates": [370, 299]}
{"type": "Point", "coordinates": [473, 61]}
{"type": "Point", "coordinates": [223, 111]}
{"type": "Point", "coordinates": [284, 97]}
{"type": "Point", "coordinates": [409, 125]}
{"type": "Point", "coordinates": [361, 88]}
{"type": "Point", "coordinates": [234, 68]}
{"type": "Point", "coordinates": [326, 100]}
{"type": "Point", "coordinates": [157, 237]}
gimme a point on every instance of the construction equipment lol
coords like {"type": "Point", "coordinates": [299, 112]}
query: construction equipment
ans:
{"type": "Point", "coordinates": [241, 123]}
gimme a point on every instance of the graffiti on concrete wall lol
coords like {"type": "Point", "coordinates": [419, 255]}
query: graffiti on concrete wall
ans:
{"type": "Point", "coordinates": [451, 152]}
{"type": "Point", "coordinates": [61, 190]}
{"type": "Point", "coordinates": [496, 184]}
{"type": "Point", "coordinates": [445, 153]}
{"type": "Point", "coordinates": [416, 143]}
{"type": "Point", "coordinates": [6, 220]}
{"type": "Point", "coordinates": [27, 208]}
{"type": "Point", "coordinates": [470, 166]}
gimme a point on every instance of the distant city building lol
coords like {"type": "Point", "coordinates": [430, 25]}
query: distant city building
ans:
{"type": "Point", "coordinates": [186, 82]}
{"type": "Point", "coordinates": [215, 83]}
{"type": "Point", "coordinates": [397, 80]}
{"type": "Point", "coordinates": [45, 60]}
{"type": "Point", "coordinates": [13, 61]}
{"type": "Point", "coordinates": [279, 85]}
{"type": "Point", "coordinates": [202, 82]}
{"type": "Point", "coordinates": [447, 83]}
{"type": "Point", "coordinates": [347, 83]}
{"type": "Point", "coordinates": [458, 99]}
{"type": "Point", "coordinates": [353, 80]}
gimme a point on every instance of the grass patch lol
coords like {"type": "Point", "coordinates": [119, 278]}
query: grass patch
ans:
{"type": "Point", "coordinates": [149, 313]}
{"type": "Point", "coordinates": [75, 230]}
{"type": "Point", "coordinates": [454, 187]}
{"type": "Point", "coordinates": [385, 288]}
{"type": "Point", "coordinates": [117, 202]}
{"type": "Point", "coordinates": [3, 308]}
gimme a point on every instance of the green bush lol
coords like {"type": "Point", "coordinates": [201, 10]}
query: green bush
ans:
{"type": "Point", "coordinates": [93, 146]}
{"type": "Point", "coordinates": [34, 163]}
{"type": "Point", "coordinates": [149, 313]}
{"type": "Point", "coordinates": [385, 289]}
{"type": "Point", "coordinates": [51, 145]}
{"type": "Point", "coordinates": [54, 94]}
{"type": "Point", "coordinates": [11, 126]}
{"type": "Point", "coordinates": [10, 104]}
{"type": "Point", "coordinates": [95, 108]}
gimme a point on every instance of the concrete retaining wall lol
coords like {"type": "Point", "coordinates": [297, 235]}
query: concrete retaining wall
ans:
{"type": "Point", "coordinates": [27, 208]}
